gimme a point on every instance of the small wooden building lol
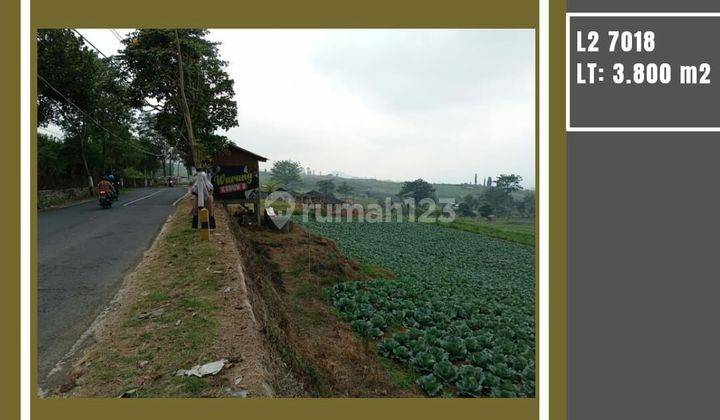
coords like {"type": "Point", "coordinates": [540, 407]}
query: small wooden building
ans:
{"type": "Point", "coordinates": [236, 178]}
{"type": "Point", "coordinates": [316, 197]}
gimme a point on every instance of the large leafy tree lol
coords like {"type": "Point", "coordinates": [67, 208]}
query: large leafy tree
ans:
{"type": "Point", "coordinates": [179, 75]}
{"type": "Point", "coordinates": [417, 189]}
{"type": "Point", "coordinates": [286, 172]}
{"type": "Point", "coordinates": [509, 183]}
{"type": "Point", "coordinates": [87, 98]}
{"type": "Point", "coordinates": [67, 73]}
{"type": "Point", "coordinates": [498, 199]}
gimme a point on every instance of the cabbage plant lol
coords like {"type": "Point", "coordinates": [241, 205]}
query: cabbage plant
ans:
{"type": "Point", "coordinates": [446, 371]}
{"type": "Point", "coordinates": [430, 385]}
{"type": "Point", "coordinates": [454, 308]}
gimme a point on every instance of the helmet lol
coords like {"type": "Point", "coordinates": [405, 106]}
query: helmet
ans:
{"type": "Point", "coordinates": [111, 177]}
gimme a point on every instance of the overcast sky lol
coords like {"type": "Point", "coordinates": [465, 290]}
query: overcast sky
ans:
{"type": "Point", "coordinates": [389, 104]}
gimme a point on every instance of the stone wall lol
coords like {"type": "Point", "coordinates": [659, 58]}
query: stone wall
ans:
{"type": "Point", "coordinates": [49, 198]}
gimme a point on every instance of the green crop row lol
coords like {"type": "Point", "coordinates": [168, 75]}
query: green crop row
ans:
{"type": "Point", "coordinates": [461, 311]}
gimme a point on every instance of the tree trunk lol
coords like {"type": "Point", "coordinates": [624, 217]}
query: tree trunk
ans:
{"type": "Point", "coordinates": [186, 109]}
{"type": "Point", "coordinates": [82, 155]}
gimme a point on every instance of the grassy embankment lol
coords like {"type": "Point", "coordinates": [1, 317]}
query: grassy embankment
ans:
{"type": "Point", "coordinates": [520, 230]}
{"type": "Point", "coordinates": [182, 280]}
{"type": "Point", "coordinates": [294, 270]}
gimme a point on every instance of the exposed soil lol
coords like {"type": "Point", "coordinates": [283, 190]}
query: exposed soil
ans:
{"type": "Point", "coordinates": [286, 275]}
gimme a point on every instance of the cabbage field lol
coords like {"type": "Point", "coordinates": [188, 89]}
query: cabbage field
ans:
{"type": "Point", "coordinates": [461, 313]}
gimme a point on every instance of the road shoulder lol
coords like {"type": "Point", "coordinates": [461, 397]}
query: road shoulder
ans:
{"type": "Point", "coordinates": [184, 305]}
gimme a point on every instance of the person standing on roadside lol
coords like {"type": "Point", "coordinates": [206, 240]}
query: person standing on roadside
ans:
{"type": "Point", "coordinates": [202, 191]}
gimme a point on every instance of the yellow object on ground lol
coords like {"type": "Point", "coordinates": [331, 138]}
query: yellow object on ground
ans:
{"type": "Point", "coordinates": [204, 224]}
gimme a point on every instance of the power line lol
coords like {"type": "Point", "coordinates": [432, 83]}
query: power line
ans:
{"type": "Point", "coordinates": [114, 32]}
{"type": "Point", "coordinates": [117, 35]}
{"type": "Point", "coordinates": [93, 119]}
{"type": "Point", "coordinates": [90, 43]}
{"type": "Point", "coordinates": [83, 38]}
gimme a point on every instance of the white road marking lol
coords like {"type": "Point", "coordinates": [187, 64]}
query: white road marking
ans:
{"type": "Point", "coordinates": [180, 199]}
{"type": "Point", "coordinates": [142, 198]}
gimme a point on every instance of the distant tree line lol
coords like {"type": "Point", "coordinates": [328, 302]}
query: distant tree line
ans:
{"type": "Point", "coordinates": [500, 199]}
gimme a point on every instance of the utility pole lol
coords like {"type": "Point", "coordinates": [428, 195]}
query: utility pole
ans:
{"type": "Point", "coordinates": [186, 108]}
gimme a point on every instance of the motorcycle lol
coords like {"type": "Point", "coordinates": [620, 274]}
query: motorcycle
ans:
{"type": "Point", "coordinates": [105, 199]}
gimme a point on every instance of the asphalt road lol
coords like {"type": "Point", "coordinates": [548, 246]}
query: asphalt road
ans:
{"type": "Point", "coordinates": [84, 253]}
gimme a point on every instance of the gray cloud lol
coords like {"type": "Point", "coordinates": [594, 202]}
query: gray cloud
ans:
{"type": "Point", "coordinates": [390, 104]}
{"type": "Point", "coordinates": [431, 71]}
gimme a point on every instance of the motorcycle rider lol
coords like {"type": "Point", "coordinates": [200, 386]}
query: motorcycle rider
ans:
{"type": "Point", "coordinates": [115, 186]}
{"type": "Point", "coordinates": [105, 185]}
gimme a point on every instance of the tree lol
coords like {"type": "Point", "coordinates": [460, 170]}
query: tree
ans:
{"type": "Point", "coordinates": [345, 189]}
{"type": "Point", "coordinates": [286, 172]}
{"type": "Point", "coordinates": [418, 190]}
{"type": "Point", "coordinates": [499, 199]}
{"type": "Point", "coordinates": [326, 186]}
{"type": "Point", "coordinates": [181, 71]}
{"type": "Point", "coordinates": [488, 182]}
{"type": "Point", "coordinates": [470, 201]}
{"type": "Point", "coordinates": [86, 96]}
{"type": "Point", "coordinates": [67, 80]}
{"type": "Point", "coordinates": [155, 140]}
{"type": "Point", "coordinates": [67, 70]}
{"type": "Point", "coordinates": [486, 210]}
{"type": "Point", "coordinates": [51, 163]}
{"type": "Point", "coordinates": [528, 201]}
{"type": "Point", "coordinates": [509, 183]}
{"type": "Point", "coordinates": [465, 210]}
{"type": "Point", "coordinates": [270, 186]}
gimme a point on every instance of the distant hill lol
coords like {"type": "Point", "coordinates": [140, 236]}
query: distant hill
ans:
{"type": "Point", "coordinates": [374, 188]}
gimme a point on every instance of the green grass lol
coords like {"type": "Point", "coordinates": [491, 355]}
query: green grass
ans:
{"type": "Point", "coordinates": [515, 230]}
{"type": "Point", "coordinates": [401, 377]}
{"type": "Point", "coordinates": [371, 271]}
{"type": "Point", "coordinates": [184, 281]}
{"type": "Point", "coordinates": [193, 385]}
